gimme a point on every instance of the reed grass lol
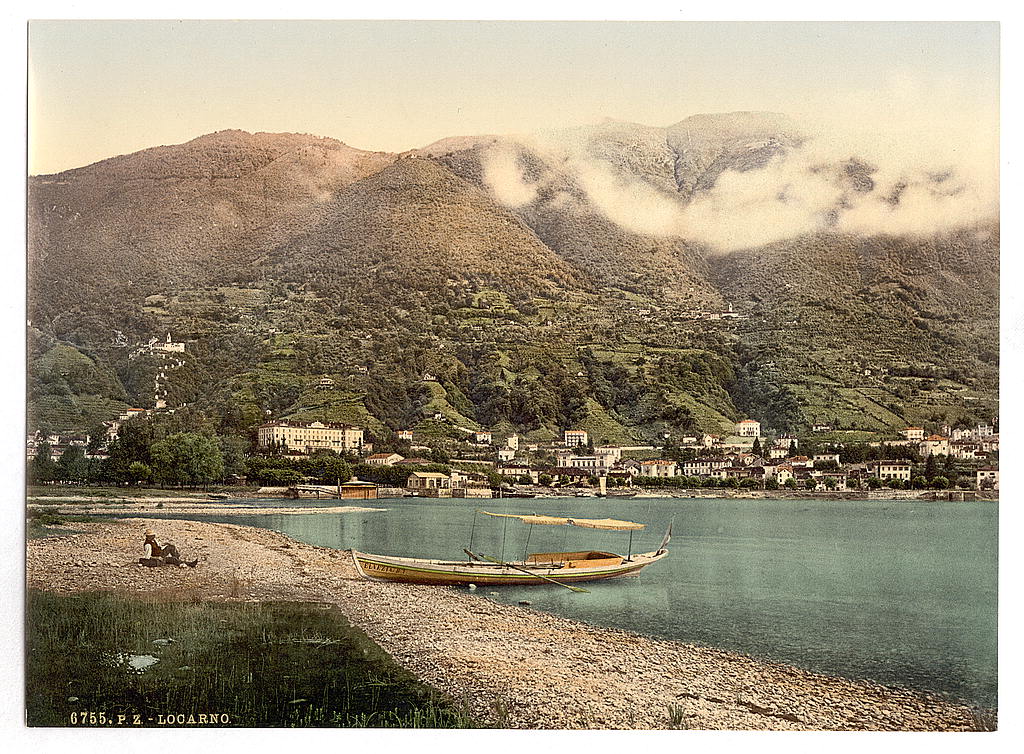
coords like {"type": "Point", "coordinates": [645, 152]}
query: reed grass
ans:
{"type": "Point", "coordinates": [263, 665]}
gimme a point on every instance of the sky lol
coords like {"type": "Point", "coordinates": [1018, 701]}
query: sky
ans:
{"type": "Point", "coordinates": [103, 88]}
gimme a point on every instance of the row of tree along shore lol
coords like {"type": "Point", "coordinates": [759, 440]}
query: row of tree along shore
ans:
{"type": "Point", "coordinates": [179, 451]}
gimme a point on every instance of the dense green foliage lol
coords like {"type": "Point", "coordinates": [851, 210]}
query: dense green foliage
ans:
{"type": "Point", "coordinates": [187, 458]}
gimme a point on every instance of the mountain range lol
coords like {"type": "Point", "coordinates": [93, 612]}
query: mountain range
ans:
{"type": "Point", "coordinates": [635, 281]}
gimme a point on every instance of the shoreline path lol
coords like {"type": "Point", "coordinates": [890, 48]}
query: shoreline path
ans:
{"type": "Point", "coordinates": [516, 667]}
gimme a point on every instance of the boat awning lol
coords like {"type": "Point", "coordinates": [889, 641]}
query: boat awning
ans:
{"type": "Point", "coordinates": [586, 523]}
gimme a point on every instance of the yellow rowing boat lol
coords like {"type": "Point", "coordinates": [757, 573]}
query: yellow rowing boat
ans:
{"type": "Point", "coordinates": [538, 568]}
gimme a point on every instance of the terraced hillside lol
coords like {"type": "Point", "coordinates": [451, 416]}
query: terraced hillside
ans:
{"type": "Point", "coordinates": [522, 285]}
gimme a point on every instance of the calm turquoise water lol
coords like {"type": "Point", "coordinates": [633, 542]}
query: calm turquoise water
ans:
{"type": "Point", "coordinates": [901, 592]}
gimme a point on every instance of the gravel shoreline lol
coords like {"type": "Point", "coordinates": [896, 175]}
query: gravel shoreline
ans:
{"type": "Point", "coordinates": [515, 667]}
{"type": "Point", "coordinates": [142, 509]}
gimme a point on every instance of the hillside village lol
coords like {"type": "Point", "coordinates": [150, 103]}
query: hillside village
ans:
{"type": "Point", "coordinates": [489, 463]}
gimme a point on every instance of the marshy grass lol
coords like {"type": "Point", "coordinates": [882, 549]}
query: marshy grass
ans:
{"type": "Point", "coordinates": [678, 719]}
{"type": "Point", "coordinates": [262, 665]}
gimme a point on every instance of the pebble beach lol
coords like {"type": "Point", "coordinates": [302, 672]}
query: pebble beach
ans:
{"type": "Point", "coordinates": [514, 666]}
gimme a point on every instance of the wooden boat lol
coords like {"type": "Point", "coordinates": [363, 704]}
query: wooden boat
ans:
{"type": "Point", "coordinates": [562, 568]}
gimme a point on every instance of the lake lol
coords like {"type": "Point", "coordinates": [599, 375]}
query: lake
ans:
{"type": "Point", "coordinates": [900, 592]}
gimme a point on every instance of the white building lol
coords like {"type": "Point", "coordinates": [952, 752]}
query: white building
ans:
{"type": "Point", "coordinates": [568, 460]}
{"type": "Point", "coordinates": [302, 437]}
{"type": "Point", "coordinates": [484, 437]}
{"type": "Point", "coordinates": [783, 473]}
{"type": "Point", "coordinates": [913, 433]}
{"type": "Point", "coordinates": [748, 428]}
{"type": "Point", "coordinates": [430, 484]}
{"type": "Point", "coordinates": [789, 442]}
{"type": "Point", "coordinates": [934, 445]}
{"type": "Point", "coordinates": [573, 438]}
{"type": "Point", "coordinates": [512, 441]}
{"type": "Point", "coordinates": [987, 478]}
{"type": "Point", "coordinates": [131, 413]}
{"type": "Point", "coordinates": [885, 470]}
{"type": "Point", "coordinates": [837, 478]}
{"type": "Point", "coordinates": [965, 451]}
{"type": "Point", "coordinates": [506, 454]}
{"type": "Point", "coordinates": [519, 470]}
{"type": "Point", "coordinates": [826, 457]}
{"type": "Point", "coordinates": [169, 346]}
{"type": "Point", "coordinates": [703, 466]}
{"type": "Point", "coordinates": [405, 434]}
{"type": "Point", "coordinates": [383, 459]}
{"type": "Point", "coordinates": [659, 468]}
{"type": "Point", "coordinates": [989, 443]}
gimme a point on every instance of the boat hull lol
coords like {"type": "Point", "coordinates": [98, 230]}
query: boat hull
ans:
{"type": "Point", "coordinates": [451, 573]}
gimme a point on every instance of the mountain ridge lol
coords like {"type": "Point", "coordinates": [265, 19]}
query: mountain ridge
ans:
{"type": "Point", "coordinates": [524, 275]}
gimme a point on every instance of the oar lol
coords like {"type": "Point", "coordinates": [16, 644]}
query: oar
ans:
{"type": "Point", "coordinates": [528, 573]}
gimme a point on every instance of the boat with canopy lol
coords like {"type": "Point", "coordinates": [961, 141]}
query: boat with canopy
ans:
{"type": "Point", "coordinates": [561, 568]}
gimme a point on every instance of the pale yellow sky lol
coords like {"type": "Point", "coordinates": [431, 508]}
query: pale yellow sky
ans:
{"type": "Point", "coordinates": [102, 88]}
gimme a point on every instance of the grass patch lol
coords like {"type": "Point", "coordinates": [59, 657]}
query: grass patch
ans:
{"type": "Point", "coordinates": [43, 523]}
{"type": "Point", "coordinates": [262, 665]}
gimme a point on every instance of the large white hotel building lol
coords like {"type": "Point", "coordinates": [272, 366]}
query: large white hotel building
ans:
{"type": "Point", "coordinates": [302, 437]}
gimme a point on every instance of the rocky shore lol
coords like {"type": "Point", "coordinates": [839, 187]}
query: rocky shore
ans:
{"type": "Point", "coordinates": [515, 667]}
{"type": "Point", "coordinates": [151, 506]}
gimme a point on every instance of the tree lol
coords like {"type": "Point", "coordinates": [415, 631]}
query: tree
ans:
{"type": "Point", "coordinates": [949, 470]}
{"type": "Point", "coordinates": [73, 466]}
{"type": "Point", "coordinates": [940, 483]}
{"type": "Point", "coordinates": [280, 477]}
{"type": "Point", "coordinates": [771, 484]}
{"type": "Point", "coordinates": [97, 438]}
{"type": "Point", "coordinates": [139, 473]}
{"type": "Point", "coordinates": [756, 448]}
{"type": "Point", "coordinates": [234, 449]}
{"type": "Point", "coordinates": [919, 482]}
{"type": "Point", "coordinates": [930, 467]}
{"type": "Point", "coordinates": [874, 483]}
{"type": "Point", "coordinates": [790, 484]}
{"type": "Point", "coordinates": [42, 469]}
{"type": "Point", "coordinates": [187, 458]}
